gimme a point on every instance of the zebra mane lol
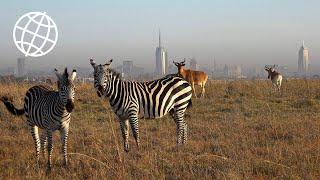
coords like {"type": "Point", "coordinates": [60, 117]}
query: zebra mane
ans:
{"type": "Point", "coordinates": [115, 74]}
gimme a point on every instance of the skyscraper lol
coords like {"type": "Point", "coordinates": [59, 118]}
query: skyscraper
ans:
{"type": "Point", "coordinates": [194, 64]}
{"type": "Point", "coordinates": [303, 60]}
{"type": "Point", "coordinates": [21, 67]}
{"type": "Point", "coordinates": [127, 68]}
{"type": "Point", "coordinates": [161, 60]}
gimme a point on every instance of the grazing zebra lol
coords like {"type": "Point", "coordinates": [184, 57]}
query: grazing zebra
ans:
{"type": "Point", "coordinates": [153, 99]}
{"type": "Point", "coordinates": [49, 110]}
{"type": "Point", "coordinates": [275, 77]}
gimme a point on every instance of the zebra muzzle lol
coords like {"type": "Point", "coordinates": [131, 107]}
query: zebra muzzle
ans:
{"type": "Point", "coordinates": [69, 105]}
{"type": "Point", "coordinates": [99, 91]}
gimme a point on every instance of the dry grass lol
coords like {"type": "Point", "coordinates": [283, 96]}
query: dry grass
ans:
{"type": "Point", "coordinates": [240, 130]}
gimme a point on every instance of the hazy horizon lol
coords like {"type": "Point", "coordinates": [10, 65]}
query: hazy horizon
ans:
{"type": "Point", "coordinates": [231, 32]}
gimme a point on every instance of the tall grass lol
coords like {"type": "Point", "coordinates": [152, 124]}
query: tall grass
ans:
{"type": "Point", "coordinates": [241, 129]}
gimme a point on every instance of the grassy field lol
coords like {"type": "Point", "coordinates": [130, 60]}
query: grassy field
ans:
{"type": "Point", "coordinates": [240, 130]}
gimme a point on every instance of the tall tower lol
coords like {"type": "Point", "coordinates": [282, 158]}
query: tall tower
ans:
{"type": "Point", "coordinates": [303, 60]}
{"type": "Point", "coordinates": [161, 60]}
{"type": "Point", "coordinates": [21, 67]}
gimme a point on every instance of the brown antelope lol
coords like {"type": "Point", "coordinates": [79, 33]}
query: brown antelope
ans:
{"type": "Point", "coordinates": [275, 77]}
{"type": "Point", "coordinates": [193, 77]}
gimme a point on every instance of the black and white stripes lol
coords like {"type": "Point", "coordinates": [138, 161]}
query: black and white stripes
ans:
{"type": "Point", "coordinates": [49, 110]}
{"type": "Point", "coordinates": [153, 99]}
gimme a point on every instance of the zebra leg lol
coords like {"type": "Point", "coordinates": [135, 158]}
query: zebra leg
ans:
{"type": "Point", "coordinates": [185, 133]}
{"type": "Point", "coordinates": [124, 125]}
{"type": "Point", "coordinates": [64, 139]}
{"type": "Point", "coordinates": [181, 126]}
{"type": "Point", "coordinates": [43, 143]}
{"type": "Point", "coordinates": [50, 147]}
{"type": "Point", "coordinates": [134, 122]}
{"type": "Point", "coordinates": [35, 135]}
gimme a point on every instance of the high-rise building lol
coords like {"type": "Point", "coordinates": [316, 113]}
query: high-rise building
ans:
{"type": "Point", "coordinates": [194, 65]}
{"type": "Point", "coordinates": [226, 71]}
{"type": "Point", "coordinates": [21, 67]}
{"type": "Point", "coordinates": [303, 60]}
{"type": "Point", "coordinates": [215, 66]}
{"type": "Point", "coordinates": [237, 71]}
{"type": "Point", "coordinates": [127, 67]}
{"type": "Point", "coordinates": [161, 60]}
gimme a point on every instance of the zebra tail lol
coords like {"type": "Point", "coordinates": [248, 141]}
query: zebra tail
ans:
{"type": "Point", "coordinates": [189, 104]}
{"type": "Point", "coordinates": [13, 110]}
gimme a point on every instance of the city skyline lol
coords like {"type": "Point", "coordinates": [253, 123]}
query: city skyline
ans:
{"type": "Point", "coordinates": [232, 32]}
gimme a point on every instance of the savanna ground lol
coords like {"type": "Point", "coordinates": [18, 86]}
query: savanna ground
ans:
{"type": "Point", "coordinates": [240, 130]}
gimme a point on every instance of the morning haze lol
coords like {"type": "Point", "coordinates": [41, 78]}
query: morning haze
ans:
{"type": "Point", "coordinates": [231, 32]}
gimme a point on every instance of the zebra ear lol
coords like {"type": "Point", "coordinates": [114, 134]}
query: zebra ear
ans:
{"type": "Point", "coordinates": [92, 62]}
{"type": "Point", "coordinates": [66, 74]}
{"type": "Point", "coordinates": [57, 74]}
{"type": "Point", "coordinates": [73, 75]}
{"type": "Point", "coordinates": [108, 63]}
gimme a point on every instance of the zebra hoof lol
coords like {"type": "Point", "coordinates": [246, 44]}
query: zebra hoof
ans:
{"type": "Point", "coordinates": [65, 164]}
{"type": "Point", "coordinates": [48, 171]}
{"type": "Point", "coordinates": [126, 147]}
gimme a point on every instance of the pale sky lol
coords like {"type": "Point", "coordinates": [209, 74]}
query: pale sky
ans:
{"type": "Point", "coordinates": [243, 32]}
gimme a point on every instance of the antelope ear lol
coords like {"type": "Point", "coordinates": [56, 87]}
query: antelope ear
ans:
{"type": "Point", "coordinates": [92, 62]}
{"type": "Point", "coordinates": [73, 75]}
{"type": "Point", "coordinates": [57, 74]}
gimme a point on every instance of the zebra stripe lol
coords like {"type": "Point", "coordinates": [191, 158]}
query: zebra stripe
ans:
{"type": "Point", "coordinates": [154, 99]}
{"type": "Point", "coordinates": [49, 110]}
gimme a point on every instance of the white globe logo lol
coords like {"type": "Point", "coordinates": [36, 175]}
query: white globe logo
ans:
{"type": "Point", "coordinates": [35, 34]}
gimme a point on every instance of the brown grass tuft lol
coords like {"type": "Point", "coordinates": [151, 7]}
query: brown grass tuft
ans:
{"type": "Point", "coordinates": [240, 130]}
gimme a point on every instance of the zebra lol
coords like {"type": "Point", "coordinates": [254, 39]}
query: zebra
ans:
{"type": "Point", "coordinates": [49, 110]}
{"type": "Point", "coordinates": [154, 99]}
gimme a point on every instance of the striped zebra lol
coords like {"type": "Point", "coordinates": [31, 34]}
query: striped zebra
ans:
{"type": "Point", "coordinates": [153, 99]}
{"type": "Point", "coordinates": [50, 110]}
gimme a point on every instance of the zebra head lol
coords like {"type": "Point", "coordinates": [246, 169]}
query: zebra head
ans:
{"type": "Point", "coordinates": [101, 75]}
{"type": "Point", "coordinates": [66, 88]}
